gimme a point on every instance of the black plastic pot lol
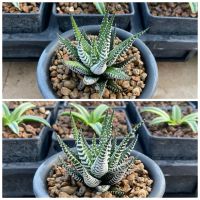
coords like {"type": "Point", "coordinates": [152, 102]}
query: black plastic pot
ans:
{"type": "Point", "coordinates": [43, 79]}
{"type": "Point", "coordinates": [26, 22]}
{"type": "Point", "coordinates": [171, 47]}
{"type": "Point", "coordinates": [71, 142]}
{"type": "Point", "coordinates": [180, 175]}
{"type": "Point", "coordinates": [168, 25]}
{"type": "Point", "coordinates": [39, 181]}
{"type": "Point", "coordinates": [18, 179]}
{"type": "Point", "coordinates": [121, 20]}
{"type": "Point", "coordinates": [27, 149]}
{"type": "Point", "coordinates": [163, 148]}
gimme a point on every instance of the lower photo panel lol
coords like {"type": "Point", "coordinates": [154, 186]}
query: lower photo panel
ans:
{"type": "Point", "coordinates": [100, 149]}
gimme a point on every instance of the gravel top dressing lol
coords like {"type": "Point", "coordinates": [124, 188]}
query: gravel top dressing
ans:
{"type": "Point", "coordinates": [164, 130]}
{"type": "Point", "coordinates": [65, 82]}
{"type": "Point", "coordinates": [63, 126]}
{"type": "Point", "coordinates": [136, 184]}
{"type": "Point", "coordinates": [14, 104]}
{"type": "Point", "coordinates": [28, 130]}
{"type": "Point", "coordinates": [161, 103]}
{"type": "Point", "coordinates": [173, 9]}
{"type": "Point", "coordinates": [89, 8]}
{"type": "Point", "coordinates": [24, 8]}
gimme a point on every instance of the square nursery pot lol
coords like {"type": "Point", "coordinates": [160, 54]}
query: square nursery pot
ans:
{"type": "Point", "coordinates": [27, 149]}
{"type": "Point", "coordinates": [18, 179]}
{"type": "Point", "coordinates": [163, 148]}
{"type": "Point", "coordinates": [71, 142]}
{"type": "Point", "coordinates": [168, 25]}
{"type": "Point", "coordinates": [26, 22]}
{"type": "Point", "coordinates": [181, 177]}
{"type": "Point", "coordinates": [121, 20]}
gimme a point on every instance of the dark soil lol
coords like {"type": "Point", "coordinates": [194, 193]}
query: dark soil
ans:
{"type": "Point", "coordinates": [14, 104]}
{"type": "Point", "coordinates": [28, 129]}
{"type": "Point", "coordinates": [174, 9]}
{"type": "Point", "coordinates": [65, 82]}
{"type": "Point", "coordinates": [97, 103]}
{"type": "Point", "coordinates": [161, 103]}
{"type": "Point", "coordinates": [89, 8]}
{"type": "Point", "coordinates": [63, 126]}
{"type": "Point", "coordinates": [25, 8]}
{"type": "Point", "coordinates": [164, 130]}
{"type": "Point", "coordinates": [136, 184]}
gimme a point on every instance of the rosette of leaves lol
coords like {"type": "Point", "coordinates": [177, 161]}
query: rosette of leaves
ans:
{"type": "Point", "coordinates": [15, 118]}
{"type": "Point", "coordinates": [93, 119]}
{"type": "Point", "coordinates": [97, 59]}
{"type": "Point", "coordinates": [174, 119]}
{"type": "Point", "coordinates": [100, 165]}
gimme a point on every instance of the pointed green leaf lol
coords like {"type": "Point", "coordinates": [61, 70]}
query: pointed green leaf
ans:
{"type": "Point", "coordinates": [157, 111]}
{"type": "Point", "coordinates": [112, 39]}
{"type": "Point", "coordinates": [14, 127]}
{"type": "Point", "coordinates": [193, 125]}
{"type": "Point", "coordinates": [90, 80]}
{"type": "Point", "coordinates": [100, 165]}
{"type": "Point", "coordinates": [30, 118]}
{"type": "Point", "coordinates": [72, 171]}
{"type": "Point", "coordinates": [122, 47]}
{"type": "Point", "coordinates": [113, 86]}
{"type": "Point", "coordinates": [70, 47]}
{"type": "Point", "coordinates": [77, 116]}
{"type": "Point", "coordinates": [115, 73]}
{"type": "Point", "coordinates": [6, 111]}
{"type": "Point", "coordinates": [69, 155]}
{"type": "Point", "coordinates": [77, 67]}
{"type": "Point", "coordinates": [83, 55]}
{"type": "Point", "coordinates": [99, 68]}
{"type": "Point", "coordinates": [97, 127]}
{"type": "Point", "coordinates": [16, 114]}
{"type": "Point", "coordinates": [123, 63]}
{"type": "Point", "coordinates": [100, 6]}
{"type": "Point", "coordinates": [100, 86]}
{"type": "Point", "coordinates": [78, 35]}
{"type": "Point", "coordinates": [192, 116]}
{"type": "Point", "coordinates": [83, 111]}
{"type": "Point", "coordinates": [83, 152]}
{"type": "Point", "coordinates": [158, 120]}
{"type": "Point", "coordinates": [98, 112]}
{"type": "Point", "coordinates": [176, 113]}
{"type": "Point", "coordinates": [89, 180]}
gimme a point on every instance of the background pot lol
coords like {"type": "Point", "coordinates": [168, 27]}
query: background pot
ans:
{"type": "Point", "coordinates": [121, 20]}
{"type": "Point", "coordinates": [26, 22]}
{"type": "Point", "coordinates": [168, 25]}
{"type": "Point", "coordinates": [27, 149]}
{"type": "Point", "coordinates": [160, 148]}
{"type": "Point", "coordinates": [158, 188]}
{"type": "Point", "coordinates": [43, 78]}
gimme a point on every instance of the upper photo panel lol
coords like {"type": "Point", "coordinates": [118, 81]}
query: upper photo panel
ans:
{"type": "Point", "coordinates": [96, 50]}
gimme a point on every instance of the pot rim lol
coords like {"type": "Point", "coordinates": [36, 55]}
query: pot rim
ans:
{"type": "Point", "coordinates": [43, 78]}
{"type": "Point", "coordinates": [158, 188]}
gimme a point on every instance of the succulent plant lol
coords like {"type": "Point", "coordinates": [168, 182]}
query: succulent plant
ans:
{"type": "Point", "coordinates": [176, 117]}
{"type": "Point", "coordinates": [100, 6]}
{"type": "Point", "coordinates": [15, 118]}
{"type": "Point", "coordinates": [93, 119]}
{"type": "Point", "coordinates": [96, 59]}
{"type": "Point", "coordinates": [100, 165]}
{"type": "Point", "coordinates": [17, 5]}
{"type": "Point", "coordinates": [194, 7]}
